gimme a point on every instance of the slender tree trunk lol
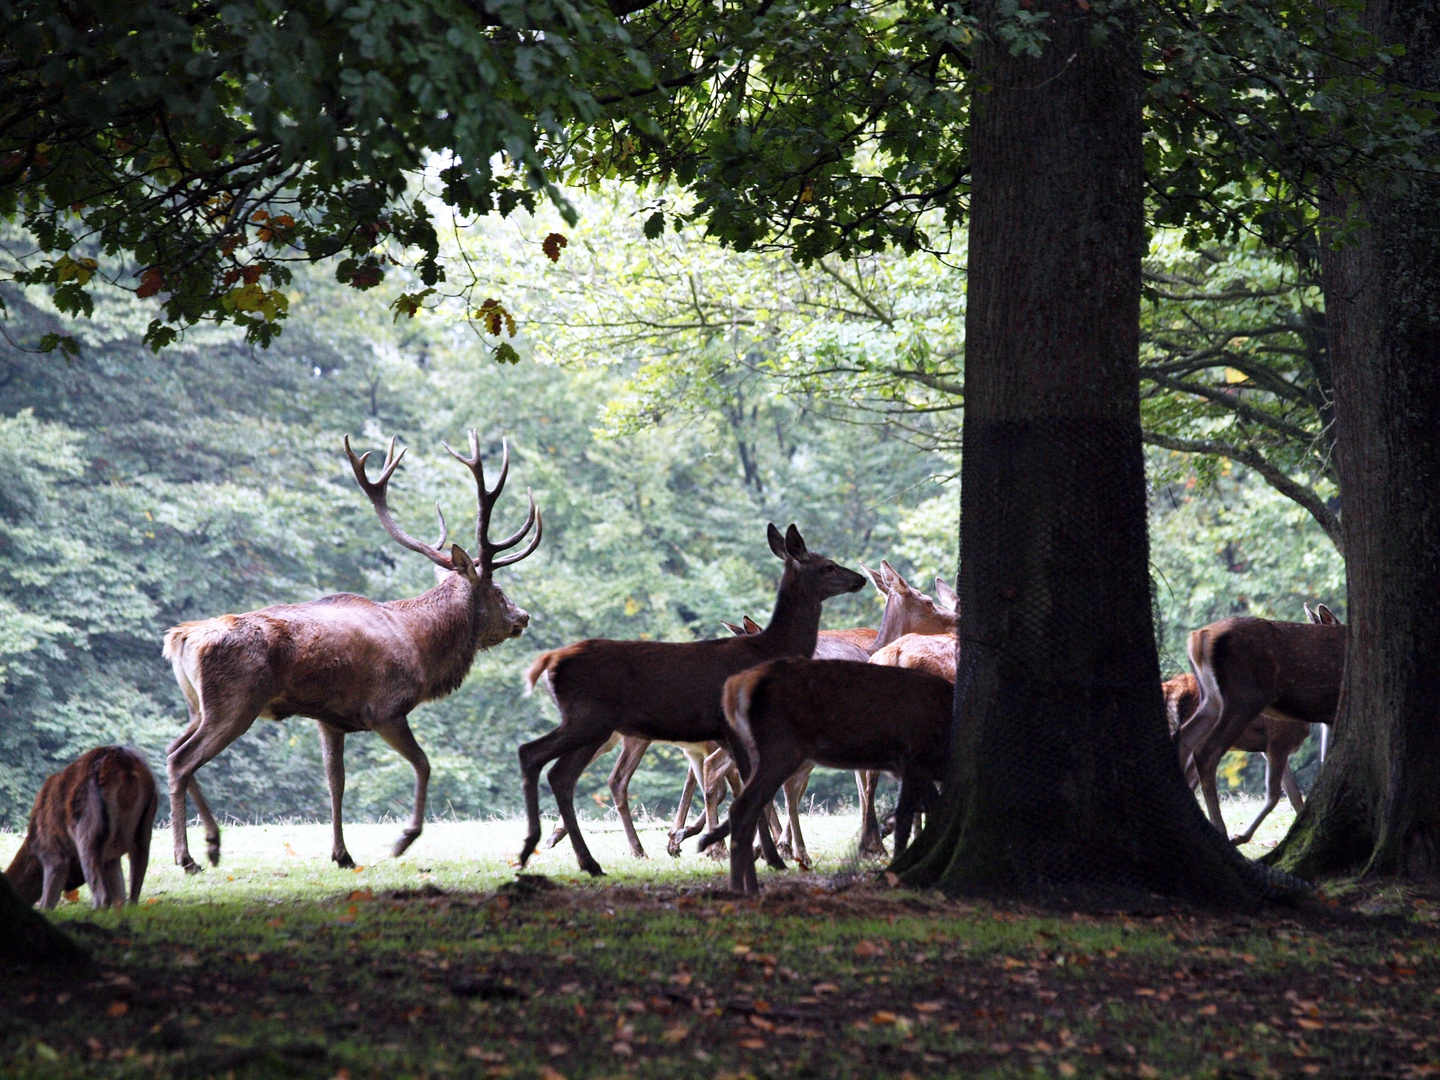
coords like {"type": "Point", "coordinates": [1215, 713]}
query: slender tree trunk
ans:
{"type": "Point", "coordinates": [1376, 806]}
{"type": "Point", "coordinates": [27, 937]}
{"type": "Point", "coordinates": [1064, 783]}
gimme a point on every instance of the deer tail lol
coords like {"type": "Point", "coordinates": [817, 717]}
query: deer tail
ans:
{"type": "Point", "coordinates": [540, 670]}
{"type": "Point", "coordinates": [739, 692]}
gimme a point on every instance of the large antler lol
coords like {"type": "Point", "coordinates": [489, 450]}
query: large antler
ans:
{"type": "Point", "coordinates": [487, 498]}
{"type": "Point", "coordinates": [376, 492]}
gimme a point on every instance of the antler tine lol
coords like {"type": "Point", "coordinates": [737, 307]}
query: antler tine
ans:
{"type": "Point", "coordinates": [519, 534]}
{"type": "Point", "coordinates": [375, 490]}
{"type": "Point", "coordinates": [444, 529]}
{"type": "Point", "coordinates": [530, 547]}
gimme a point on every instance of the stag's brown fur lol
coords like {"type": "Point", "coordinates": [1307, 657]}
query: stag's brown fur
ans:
{"type": "Point", "coordinates": [349, 663]}
{"type": "Point", "coordinates": [98, 808]}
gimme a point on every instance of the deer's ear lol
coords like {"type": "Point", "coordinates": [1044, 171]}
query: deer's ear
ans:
{"type": "Point", "coordinates": [738, 631]}
{"type": "Point", "coordinates": [875, 579]}
{"type": "Point", "coordinates": [893, 580]}
{"type": "Point", "coordinates": [946, 594]}
{"type": "Point", "coordinates": [1326, 616]}
{"type": "Point", "coordinates": [795, 543]}
{"type": "Point", "coordinates": [777, 542]}
{"type": "Point", "coordinates": [751, 626]}
{"type": "Point", "coordinates": [463, 563]}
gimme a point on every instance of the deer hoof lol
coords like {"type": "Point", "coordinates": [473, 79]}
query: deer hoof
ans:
{"type": "Point", "coordinates": [343, 860]}
{"type": "Point", "coordinates": [592, 868]}
{"type": "Point", "coordinates": [718, 851]}
{"type": "Point", "coordinates": [406, 839]}
{"type": "Point", "coordinates": [189, 865]}
{"type": "Point", "coordinates": [555, 838]}
{"type": "Point", "coordinates": [213, 853]}
{"type": "Point", "coordinates": [803, 861]}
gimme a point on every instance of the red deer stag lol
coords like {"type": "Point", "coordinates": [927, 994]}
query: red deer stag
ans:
{"type": "Point", "coordinates": [1246, 667]}
{"type": "Point", "coordinates": [839, 714]}
{"type": "Point", "coordinates": [347, 662]}
{"type": "Point", "coordinates": [664, 691]}
{"type": "Point", "coordinates": [87, 815]}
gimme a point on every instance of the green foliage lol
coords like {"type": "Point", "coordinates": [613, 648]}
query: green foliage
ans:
{"type": "Point", "coordinates": [214, 146]}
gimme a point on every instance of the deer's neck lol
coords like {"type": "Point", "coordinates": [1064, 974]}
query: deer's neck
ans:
{"type": "Point", "coordinates": [794, 624]}
{"type": "Point", "coordinates": [444, 629]}
{"type": "Point", "coordinates": [26, 874]}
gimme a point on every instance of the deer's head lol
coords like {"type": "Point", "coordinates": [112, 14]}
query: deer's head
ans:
{"type": "Point", "coordinates": [907, 609]}
{"type": "Point", "coordinates": [495, 618]}
{"type": "Point", "coordinates": [808, 572]}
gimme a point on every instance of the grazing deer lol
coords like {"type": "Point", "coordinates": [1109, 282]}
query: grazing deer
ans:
{"type": "Point", "coordinates": [839, 714]}
{"type": "Point", "coordinates": [87, 815]}
{"type": "Point", "coordinates": [1245, 667]}
{"type": "Point", "coordinates": [349, 663]}
{"type": "Point", "coordinates": [664, 691]}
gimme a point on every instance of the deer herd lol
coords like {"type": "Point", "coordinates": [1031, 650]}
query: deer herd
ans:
{"type": "Point", "coordinates": [754, 712]}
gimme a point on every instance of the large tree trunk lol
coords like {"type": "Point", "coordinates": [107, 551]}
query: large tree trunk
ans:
{"type": "Point", "coordinates": [1064, 784]}
{"type": "Point", "coordinates": [1376, 806]}
{"type": "Point", "coordinates": [26, 936]}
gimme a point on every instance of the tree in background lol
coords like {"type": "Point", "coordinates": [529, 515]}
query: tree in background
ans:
{"type": "Point", "coordinates": [1377, 807]}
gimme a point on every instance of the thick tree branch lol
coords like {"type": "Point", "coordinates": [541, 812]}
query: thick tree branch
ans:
{"type": "Point", "coordinates": [1297, 492]}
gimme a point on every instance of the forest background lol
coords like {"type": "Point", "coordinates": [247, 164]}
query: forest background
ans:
{"type": "Point", "coordinates": [666, 399]}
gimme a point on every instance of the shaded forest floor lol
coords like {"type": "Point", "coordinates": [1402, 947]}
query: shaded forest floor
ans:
{"type": "Point", "coordinates": [407, 969]}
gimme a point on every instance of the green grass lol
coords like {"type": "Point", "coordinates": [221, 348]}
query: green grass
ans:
{"type": "Point", "coordinates": [440, 965]}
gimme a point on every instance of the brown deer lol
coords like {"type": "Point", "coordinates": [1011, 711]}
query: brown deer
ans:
{"type": "Point", "coordinates": [664, 691]}
{"type": "Point", "coordinates": [1276, 736]}
{"type": "Point", "coordinates": [349, 663]}
{"type": "Point", "coordinates": [88, 815]}
{"type": "Point", "coordinates": [1246, 666]}
{"type": "Point", "coordinates": [935, 653]}
{"type": "Point", "coordinates": [907, 611]}
{"type": "Point", "coordinates": [839, 714]}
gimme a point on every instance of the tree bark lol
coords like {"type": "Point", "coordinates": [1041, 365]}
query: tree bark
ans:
{"type": "Point", "coordinates": [1376, 806]}
{"type": "Point", "coordinates": [1064, 785]}
{"type": "Point", "coordinates": [27, 937]}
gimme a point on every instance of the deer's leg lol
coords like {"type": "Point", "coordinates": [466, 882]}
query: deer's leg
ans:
{"type": "Point", "coordinates": [398, 734]}
{"type": "Point", "coordinates": [719, 771]}
{"type": "Point", "coordinates": [534, 756]}
{"type": "Point", "coordinates": [748, 810]}
{"type": "Point", "coordinates": [694, 776]}
{"type": "Point", "coordinates": [140, 855]}
{"type": "Point", "coordinates": [767, 842]}
{"type": "Point", "coordinates": [870, 842]}
{"type": "Point", "coordinates": [54, 883]}
{"type": "Point", "coordinates": [114, 884]}
{"type": "Point", "coordinates": [795, 791]}
{"type": "Point", "coordinates": [332, 751]}
{"type": "Point", "coordinates": [207, 819]}
{"type": "Point", "coordinates": [562, 777]}
{"type": "Point", "coordinates": [1275, 765]}
{"type": "Point", "coordinates": [221, 725]}
{"type": "Point", "coordinates": [177, 805]}
{"type": "Point", "coordinates": [559, 833]}
{"type": "Point", "coordinates": [1292, 789]}
{"type": "Point", "coordinates": [631, 751]}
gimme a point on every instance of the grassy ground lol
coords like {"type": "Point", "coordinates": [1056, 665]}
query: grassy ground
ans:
{"type": "Point", "coordinates": [442, 964]}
